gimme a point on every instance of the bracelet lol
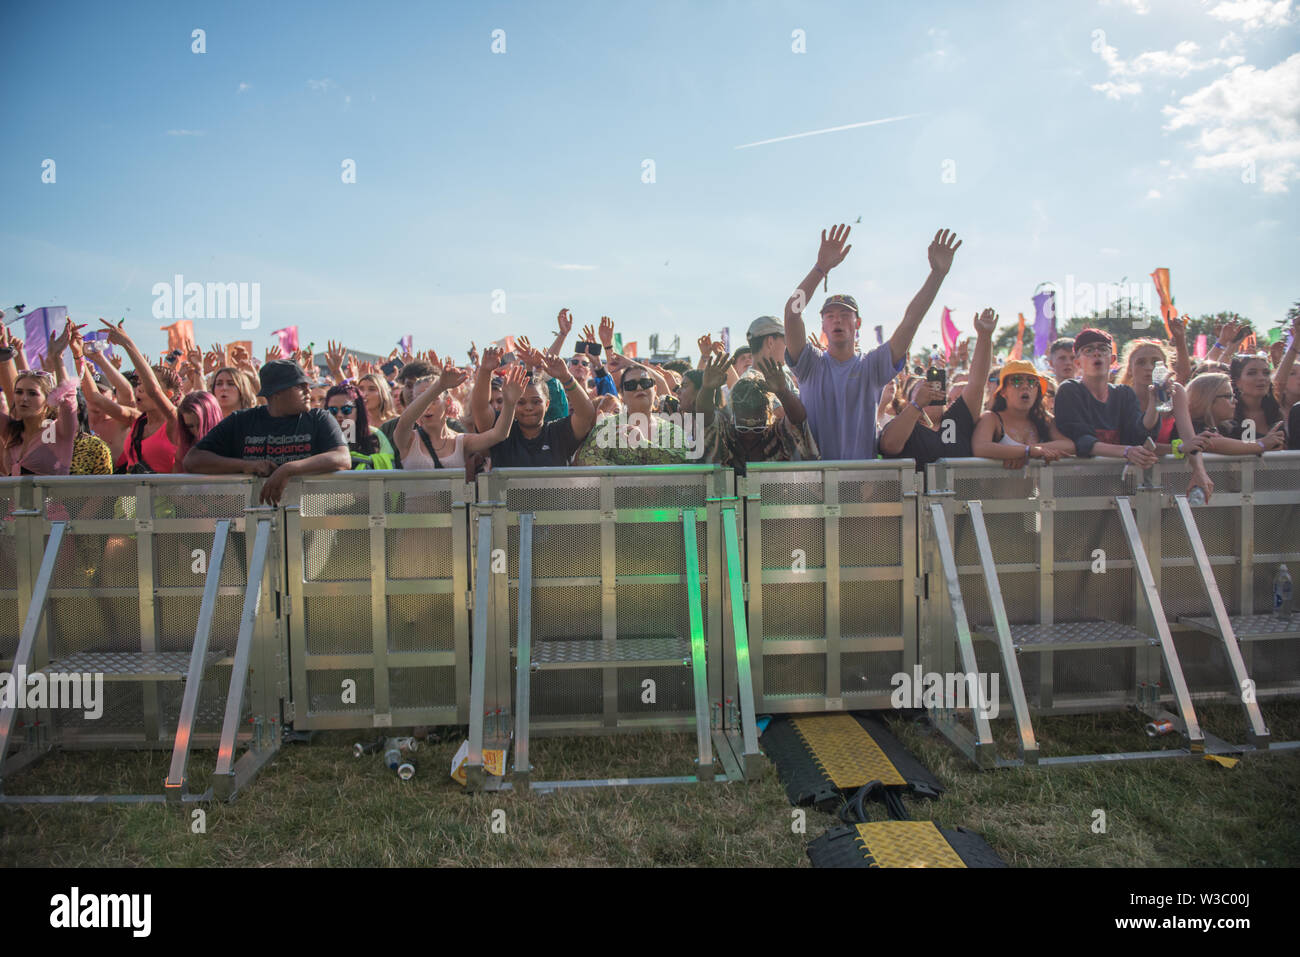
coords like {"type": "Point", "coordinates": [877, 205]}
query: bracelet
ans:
{"type": "Point", "coordinates": [1262, 447]}
{"type": "Point", "coordinates": [1029, 454]}
{"type": "Point", "coordinates": [913, 404]}
{"type": "Point", "coordinates": [6, 353]}
{"type": "Point", "coordinates": [1178, 448]}
{"type": "Point", "coordinates": [1127, 449]}
{"type": "Point", "coordinates": [571, 384]}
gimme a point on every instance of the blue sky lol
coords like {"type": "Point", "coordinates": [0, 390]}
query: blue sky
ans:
{"type": "Point", "coordinates": [1096, 156]}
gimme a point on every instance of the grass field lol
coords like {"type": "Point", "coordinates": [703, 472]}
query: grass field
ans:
{"type": "Point", "coordinates": [316, 805]}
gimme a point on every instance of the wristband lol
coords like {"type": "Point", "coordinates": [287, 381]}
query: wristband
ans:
{"type": "Point", "coordinates": [1219, 345]}
{"type": "Point", "coordinates": [1127, 449]}
{"type": "Point", "coordinates": [1029, 454]}
{"type": "Point", "coordinates": [915, 406]}
{"type": "Point", "coordinates": [571, 384]}
{"type": "Point", "coordinates": [6, 353]}
{"type": "Point", "coordinates": [1178, 448]}
{"type": "Point", "coordinates": [1262, 447]}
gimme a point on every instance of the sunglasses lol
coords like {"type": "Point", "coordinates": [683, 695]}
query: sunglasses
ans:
{"type": "Point", "coordinates": [337, 410]}
{"type": "Point", "coordinates": [1021, 381]}
{"type": "Point", "coordinates": [632, 385]}
{"type": "Point", "coordinates": [580, 362]}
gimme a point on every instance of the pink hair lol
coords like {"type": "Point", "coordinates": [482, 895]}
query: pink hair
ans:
{"type": "Point", "coordinates": [205, 406]}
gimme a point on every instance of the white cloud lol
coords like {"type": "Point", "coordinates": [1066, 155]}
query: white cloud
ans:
{"type": "Point", "coordinates": [1248, 116]}
{"type": "Point", "coordinates": [1153, 194]}
{"type": "Point", "coordinates": [245, 86]}
{"type": "Point", "coordinates": [1253, 14]}
{"type": "Point", "coordinates": [1139, 7]}
{"type": "Point", "coordinates": [573, 267]}
{"type": "Point", "coordinates": [321, 86]}
{"type": "Point", "coordinates": [185, 132]}
{"type": "Point", "coordinates": [1117, 91]}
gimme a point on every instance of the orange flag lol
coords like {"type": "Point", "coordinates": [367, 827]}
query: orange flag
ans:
{"type": "Point", "coordinates": [180, 334]}
{"type": "Point", "coordinates": [629, 350]}
{"type": "Point", "coordinates": [230, 350]}
{"type": "Point", "coordinates": [1018, 350]}
{"type": "Point", "coordinates": [1161, 278]}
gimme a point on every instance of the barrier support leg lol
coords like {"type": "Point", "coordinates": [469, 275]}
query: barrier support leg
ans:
{"type": "Point", "coordinates": [1191, 727]}
{"type": "Point", "coordinates": [27, 639]}
{"type": "Point", "coordinates": [174, 786]}
{"type": "Point", "coordinates": [699, 673]}
{"type": "Point", "coordinates": [524, 652]}
{"type": "Point", "coordinates": [474, 777]}
{"type": "Point", "coordinates": [978, 747]}
{"type": "Point", "coordinates": [1007, 651]}
{"type": "Point", "coordinates": [1257, 734]}
{"type": "Point", "coordinates": [228, 778]}
{"type": "Point", "coordinates": [748, 753]}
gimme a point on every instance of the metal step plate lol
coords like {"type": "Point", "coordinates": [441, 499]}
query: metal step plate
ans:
{"type": "Point", "coordinates": [901, 844]}
{"type": "Point", "coordinates": [1071, 634]}
{"type": "Point", "coordinates": [1249, 627]}
{"type": "Point", "coordinates": [128, 665]}
{"type": "Point", "coordinates": [644, 652]}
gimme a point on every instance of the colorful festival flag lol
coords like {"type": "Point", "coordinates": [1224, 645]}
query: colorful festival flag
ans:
{"type": "Point", "coordinates": [37, 326]}
{"type": "Point", "coordinates": [180, 334]}
{"type": "Point", "coordinates": [1202, 346]}
{"type": "Point", "coordinates": [950, 333]}
{"type": "Point", "coordinates": [405, 344]}
{"type": "Point", "coordinates": [629, 350]}
{"type": "Point", "coordinates": [1161, 278]}
{"type": "Point", "coordinates": [288, 337]}
{"type": "Point", "coordinates": [1044, 321]}
{"type": "Point", "coordinates": [1018, 350]}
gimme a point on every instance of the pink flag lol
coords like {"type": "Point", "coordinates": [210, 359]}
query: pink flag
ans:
{"type": "Point", "coordinates": [506, 344]}
{"type": "Point", "coordinates": [288, 339]}
{"type": "Point", "coordinates": [949, 333]}
{"type": "Point", "coordinates": [1202, 346]}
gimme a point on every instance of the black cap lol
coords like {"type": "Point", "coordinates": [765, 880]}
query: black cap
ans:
{"type": "Point", "coordinates": [280, 374]}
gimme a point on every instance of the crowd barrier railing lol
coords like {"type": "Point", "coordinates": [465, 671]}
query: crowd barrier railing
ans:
{"type": "Point", "coordinates": [1091, 583]}
{"type": "Point", "coordinates": [398, 599]}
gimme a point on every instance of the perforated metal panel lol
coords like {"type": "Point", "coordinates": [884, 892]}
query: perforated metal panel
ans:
{"type": "Point", "coordinates": [869, 609]}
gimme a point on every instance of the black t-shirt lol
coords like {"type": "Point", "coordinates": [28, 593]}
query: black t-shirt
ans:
{"type": "Point", "coordinates": [554, 445]}
{"type": "Point", "coordinates": [927, 445]}
{"type": "Point", "coordinates": [1085, 421]}
{"type": "Point", "coordinates": [256, 434]}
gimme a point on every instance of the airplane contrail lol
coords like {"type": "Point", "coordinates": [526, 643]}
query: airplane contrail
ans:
{"type": "Point", "coordinates": [832, 129]}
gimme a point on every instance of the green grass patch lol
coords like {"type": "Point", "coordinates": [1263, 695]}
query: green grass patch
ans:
{"type": "Point", "coordinates": [316, 805]}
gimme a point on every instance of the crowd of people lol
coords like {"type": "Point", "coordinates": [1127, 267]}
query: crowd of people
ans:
{"type": "Point", "coordinates": [784, 396]}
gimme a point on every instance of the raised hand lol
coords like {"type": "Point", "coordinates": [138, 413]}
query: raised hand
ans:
{"type": "Point", "coordinates": [616, 364]}
{"type": "Point", "coordinates": [588, 334]}
{"type": "Point", "coordinates": [116, 334]}
{"type": "Point", "coordinates": [450, 377]}
{"type": "Point", "coordinates": [814, 341]}
{"type": "Point", "coordinates": [512, 386]}
{"type": "Point", "coordinates": [705, 342]}
{"type": "Point", "coordinates": [555, 366]}
{"type": "Point", "coordinates": [274, 353]}
{"type": "Point", "coordinates": [352, 369]}
{"type": "Point", "coordinates": [194, 356]}
{"type": "Point", "coordinates": [335, 355]}
{"type": "Point", "coordinates": [491, 359]}
{"type": "Point", "coordinates": [473, 353]}
{"type": "Point", "coordinates": [941, 251]}
{"type": "Point", "coordinates": [524, 345]}
{"type": "Point", "coordinates": [832, 250]}
{"type": "Point", "coordinates": [926, 393]}
{"type": "Point", "coordinates": [773, 377]}
{"type": "Point", "coordinates": [607, 332]}
{"type": "Point", "coordinates": [715, 373]}
{"type": "Point", "coordinates": [1274, 438]}
{"type": "Point", "coordinates": [213, 361]}
{"type": "Point", "coordinates": [565, 322]}
{"type": "Point", "coordinates": [986, 321]}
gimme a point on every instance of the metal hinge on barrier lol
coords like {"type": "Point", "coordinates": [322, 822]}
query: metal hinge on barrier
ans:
{"type": "Point", "coordinates": [469, 599]}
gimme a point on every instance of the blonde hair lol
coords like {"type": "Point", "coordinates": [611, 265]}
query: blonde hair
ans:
{"type": "Point", "coordinates": [243, 383]}
{"type": "Point", "coordinates": [1131, 349]}
{"type": "Point", "coordinates": [1201, 392]}
{"type": "Point", "coordinates": [386, 409]}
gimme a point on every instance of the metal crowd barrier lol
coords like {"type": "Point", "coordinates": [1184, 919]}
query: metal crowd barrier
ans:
{"type": "Point", "coordinates": [570, 602]}
{"type": "Point", "coordinates": [122, 577]}
{"type": "Point", "coordinates": [1093, 586]}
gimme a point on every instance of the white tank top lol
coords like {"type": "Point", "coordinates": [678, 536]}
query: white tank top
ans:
{"type": "Point", "coordinates": [416, 458]}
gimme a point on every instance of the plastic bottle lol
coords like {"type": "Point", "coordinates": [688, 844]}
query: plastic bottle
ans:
{"type": "Point", "coordinates": [1160, 379]}
{"type": "Point", "coordinates": [1282, 600]}
{"type": "Point", "coordinates": [1197, 497]}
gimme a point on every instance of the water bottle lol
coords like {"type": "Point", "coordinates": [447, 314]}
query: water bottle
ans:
{"type": "Point", "coordinates": [1160, 378]}
{"type": "Point", "coordinates": [1198, 496]}
{"type": "Point", "coordinates": [393, 757]}
{"type": "Point", "coordinates": [1282, 601]}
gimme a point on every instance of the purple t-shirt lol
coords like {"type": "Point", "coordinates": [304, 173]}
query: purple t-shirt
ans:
{"type": "Point", "coordinates": [841, 398]}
